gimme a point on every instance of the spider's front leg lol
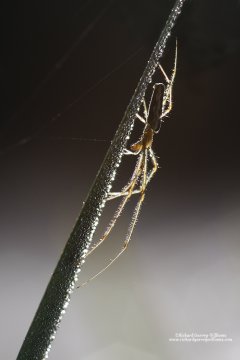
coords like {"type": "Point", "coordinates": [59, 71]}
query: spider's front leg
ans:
{"type": "Point", "coordinates": [145, 112]}
{"type": "Point", "coordinates": [167, 99]}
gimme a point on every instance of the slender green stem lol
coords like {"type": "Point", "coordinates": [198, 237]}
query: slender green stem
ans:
{"type": "Point", "coordinates": [44, 326]}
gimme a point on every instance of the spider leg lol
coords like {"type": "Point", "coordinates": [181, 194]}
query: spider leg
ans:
{"type": "Point", "coordinates": [171, 80]}
{"type": "Point", "coordinates": [141, 118]}
{"type": "Point", "coordinates": [145, 109]}
{"type": "Point", "coordinates": [136, 173]}
{"type": "Point", "coordinates": [149, 177]}
{"type": "Point", "coordinates": [125, 189]}
{"type": "Point", "coordinates": [128, 190]}
{"type": "Point", "coordinates": [155, 165]}
{"type": "Point", "coordinates": [115, 195]}
{"type": "Point", "coordinates": [164, 74]}
{"type": "Point", "coordinates": [129, 152]}
{"type": "Point", "coordinates": [133, 222]}
{"type": "Point", "coordinates": [167, 100]}
{"type": "Point", "coordinates": [145, 112]}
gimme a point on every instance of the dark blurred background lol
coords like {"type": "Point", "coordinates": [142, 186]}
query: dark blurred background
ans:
{"type": "Point", "coordinates": [68, 70]}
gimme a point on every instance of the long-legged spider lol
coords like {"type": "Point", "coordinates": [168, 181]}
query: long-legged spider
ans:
{"type": "Point", "coordinates": [160, 105]}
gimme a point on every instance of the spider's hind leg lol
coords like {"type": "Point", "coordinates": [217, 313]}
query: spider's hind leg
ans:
{"type": "Point", "coordinates": [133, 222]}
{"type": "Point", "coordinates": [126, 193]}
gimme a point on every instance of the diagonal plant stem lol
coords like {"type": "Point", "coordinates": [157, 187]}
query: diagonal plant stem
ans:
{"type": "Point", "coordinates": [37, 343]}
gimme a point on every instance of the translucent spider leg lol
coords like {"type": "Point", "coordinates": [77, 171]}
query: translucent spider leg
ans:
{"type": "Point", "coordinates": [155, 165]}
{"type": "Point", "coordinates": [145, 112]}
{"type": "Point", "coordinates": [140, 118]}
{"type": "Point", "coordinates": [149, 177]}
{"type": "Point", "coordinates": [145, 109]}
{"type": "Point", "coordinates": [167, 100]}
{"type": "Point", "coordinates": [126, 193]}
{"type": "Point", "coordinates": [125, 189]}
{"type": "Point", "coordinates": [133, 222]}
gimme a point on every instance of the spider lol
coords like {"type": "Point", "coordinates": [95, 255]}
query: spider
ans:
{"type": "Point", "coordinates": [160, 105]}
